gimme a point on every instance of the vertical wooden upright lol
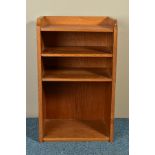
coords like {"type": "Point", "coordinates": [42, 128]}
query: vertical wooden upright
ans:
{"type": "Point", "coordinates": [40, 103]}
{"type": "Point", "coordinates": [113, 82]}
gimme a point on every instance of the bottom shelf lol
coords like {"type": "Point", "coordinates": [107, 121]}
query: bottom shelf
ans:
{"type": "Point", "coordinates": [74, 130]}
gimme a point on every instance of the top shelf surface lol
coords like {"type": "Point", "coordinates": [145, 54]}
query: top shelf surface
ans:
{"type": "Point", "coordinates": [77, 28]}
{"type": "Point", "coordinates": [76, 24]}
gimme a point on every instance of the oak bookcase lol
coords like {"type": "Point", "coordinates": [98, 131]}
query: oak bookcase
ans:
{"type": "Point", "coordinates": [76, 78]}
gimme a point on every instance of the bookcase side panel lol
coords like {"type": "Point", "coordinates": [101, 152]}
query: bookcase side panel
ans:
{"type": "Point", "coordinates": [40, 97]}
{"type": "Point", "coordinates": [113, 83]}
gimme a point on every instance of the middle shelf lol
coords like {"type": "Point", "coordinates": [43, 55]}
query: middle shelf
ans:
{"type": "Point", "coordinates": [76, 69]}
{"type": "Point", "coordinates": [77, 74]}
{"type": "Point", "coordinates": [77, 51]}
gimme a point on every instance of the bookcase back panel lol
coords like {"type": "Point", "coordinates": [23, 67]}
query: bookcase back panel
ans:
{"type": "Point", "coordinates": [51, 39]}
{"type": "Point", "coordinates": [50, 63]}
{"type": "Point", "coordinates": [82, 100]}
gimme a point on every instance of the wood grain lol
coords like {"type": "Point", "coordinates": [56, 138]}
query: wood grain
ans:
{"type": "Point", "coordinates": [59, 39]}
{"type": "Point", "coordinates": [82, 100]}
{"type": "Point", "coordinates": [40, 99]}
{"type": "Point", "coordinates": [113, 84]}
{"type": "Point", "coordinates": [75, 130]}
{"type": "Point", "coordinates": [78, 28]}
{"type": "Point", "coordinates": [77, 51]}
{"type": "Point", "coordinates": [75, 20]}
{"type": "Point", "coordinates": [78, 62]}
{"type": "Point", "coordinates": [84, 74]}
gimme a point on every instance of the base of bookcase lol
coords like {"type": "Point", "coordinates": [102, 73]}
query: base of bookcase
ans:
{"type": "Point", "coordinates": [74, 130]}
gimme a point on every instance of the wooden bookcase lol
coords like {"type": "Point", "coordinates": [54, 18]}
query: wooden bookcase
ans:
{"type": "Point", "coordinates": [76, 78]}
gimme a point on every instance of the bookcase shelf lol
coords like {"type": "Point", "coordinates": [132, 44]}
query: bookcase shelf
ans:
{"type": "Point", "coordinates": [76, 78]}
{"type": "Point", "coordinates": [74, 130]}
{"type": "Point", "coordinates": [92, 74]}
{"type": "Point", "coordinates": [71, 51]}
{"type": "Point", "coordinates": [78, 28]}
